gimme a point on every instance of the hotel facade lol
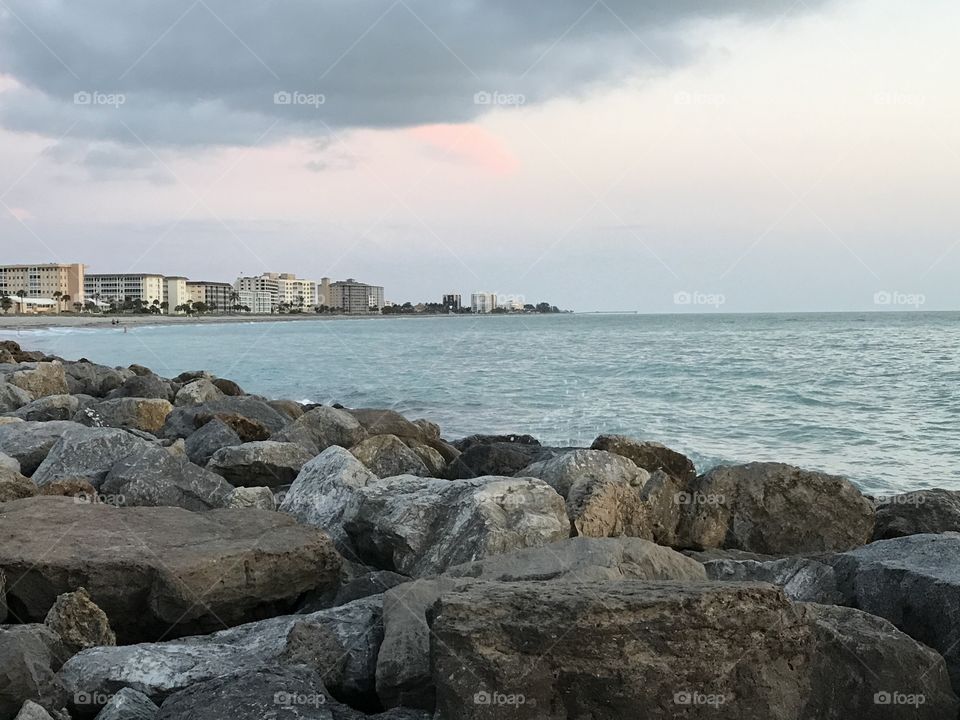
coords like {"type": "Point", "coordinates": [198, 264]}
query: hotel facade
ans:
{"type": "Point", "coordinates": [41, 282]}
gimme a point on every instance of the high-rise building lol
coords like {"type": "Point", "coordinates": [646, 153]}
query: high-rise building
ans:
{"type": "Point", "coordinates": [175, 293]}
{"type": "Point", "coordinates": [296, 292]}
{"type": "Point", "coordinates": [215, 295]}
{"type": "Point", "coordinates": [42, 282]}
{"type": "Point", "coordinates": [260, 294]}
{"type": "Point", "coordinates": [453, 301]}
{"type": "Point", "coordinates": [483, 302]}
{"type": "Point", "coordinates": [104, 289]}
{"type": "Point", "coordinates": [355, 297]}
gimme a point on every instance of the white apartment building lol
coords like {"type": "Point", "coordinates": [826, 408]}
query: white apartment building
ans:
{"type": "Point", "coordinates": [260, 294]}
{"type": "Point", "coordinates": [175, 293]}
{"type": "Point", "coordinates": [483, 302]}
{"type": "Point", "coordinates": [103, 288]}
{"type": "Point", "coordinates": [42, 281]}
{"type": "Point", "coordinates": [291, 289]}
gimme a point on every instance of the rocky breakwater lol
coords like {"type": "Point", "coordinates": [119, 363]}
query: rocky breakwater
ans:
{"type": "Point", "coordinates": [176, 548]}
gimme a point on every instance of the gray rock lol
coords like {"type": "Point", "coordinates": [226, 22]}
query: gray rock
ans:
{"type": "Point", "coordinates": [184, 420]}
{"type": "Point", "coordinates": [129, 413]}
{"type": "Point", "coordinates": [324, 492]}
{"type": "Point", "coordinates": [480, 459]}
{"type": "Point", "coordinates": [918, 512]}
{"type": "Point", "coordinates": [775, 509]}
{"type": "Point", "coordinates": [143, 386]}
{"type": "Point", "coordinates": [151, 477]}
{"type": "Point", "coordinates": [32, 711]}
{"type": "Point", "coordinates": [387, 422]}
{"type": "Point", "coordinates": [9, 463]}
{"type": "Point", "coordinates": [85, 378]}
{"type": "Point", "coordinates": [650, 456]}
{"type": "Point", "coordinates": [420, 526]}
{"type": "Point", "coordinates": [197, 392]}
{"type": "Point", "coordinates": [30, 442]}
{"type": "Point", "coordinates": [38, 378]}
{"type": "Point", "coordinates": [321, 428]}
{"type": "Point", "coordinates": [129, 704]}
{"type": "Point", "coordinates": [802, 579]}
{"type": "Point", "coordinates": [87, 452]}
{"type": "Point", "coordinates": [267, 463]}
{"type": "Point", "coordinates": [30, 655]}
{"type": "Point", "coordinates": [340, 643]}
{"type": "Point", "coordinates": [260, 498]}
{"type": "Point", "coordinates": [49, 407]}
{"type": "Point", "coordinates": [163, 571]}
{"type": "Point", "coordinates": [387, 456]}
{"type": "Point", "coordinates": [213, 436]}
{"type": "Point", "coordinates": [12, 397]}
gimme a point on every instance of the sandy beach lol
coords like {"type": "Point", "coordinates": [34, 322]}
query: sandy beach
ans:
{"type": "Point", "coordinates": [40, 322]}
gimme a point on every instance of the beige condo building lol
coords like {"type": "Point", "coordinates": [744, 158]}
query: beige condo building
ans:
{"type": "Point", "coordinates": [42, 282]}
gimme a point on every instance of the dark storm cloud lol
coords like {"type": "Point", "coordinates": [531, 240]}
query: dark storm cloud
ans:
{"type": "Point", "coordinates": [212, 72]}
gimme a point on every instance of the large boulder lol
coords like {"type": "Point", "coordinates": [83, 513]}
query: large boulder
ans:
{"type": "Point", "coordinates": [49, 407]}
{"type": "Point", "coordinates": [387, 456]}
{"type": "Point", "coordinates": [33, 711]}
{"type": "Point", "coordinates": [602, 492]}
{"type": "Point", "coordinates": [151, 476]}
{"type": "Point", "coordinates": [30, 442]}
{"type": "Point", "coordinates": [420, 526]}
{"type": "Point", "coordinates": [159, 571]}
{"type": "Point", "coordinates": [774, 508]}
{"type": "Point", "coordinates": [325, 491]}
{"type": "Point", "coordinates": [267, 463]}
{"type": "Point", "coordinates": [650, 456]}
{"type": "Point", "coordinates": [497, 458]}
{"type": "Point", "coordinates": [87, 452]}
{"type": "Point", "coordinates": [9, 463]}
{"type": "Point", "coordinates": [146, 414]}
{"type": "Point", "coordinates": [129, 704]}
{"type": "Point", "coordinates": [201, 445]}
{"type": "Point", "coordinates": [13, 397]}
{"type": "Point", "coordinates": [387, 422]}
{"type": "Point", "coordinates": [261, 498]}
{"type": "Point", "coordinates": [802, 579]}
{"type": "Point", "coordinates": [184, 420]}
{"type": "Point", "coordinates": [143, 386]}
{"type": "Point", "coordinates": [30, 655]}
{"type": "Point", "coordinates": [79, 623]}
{"type": "Point", "coordinates": [918, 512]}
{"type": "Point", "coordinates": [323, 427]}
{"type": "Point", "coordinates": [39, 379]}
{"type": "Point", "coordinates": [197, 392]}
{"type": "Point", "coordinates": [86, 378]}
{"type": "Point", "coordinates": [434, 460]}
{"type": "Point", "coordinates": [340, 643]}
{"type": "Point", "coordinates": [14, 486]}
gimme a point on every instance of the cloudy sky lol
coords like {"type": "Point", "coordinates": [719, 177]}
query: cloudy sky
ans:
{"type": "Point", "coordinates": [653, 155]}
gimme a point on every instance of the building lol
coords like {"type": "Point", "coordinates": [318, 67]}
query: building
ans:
{"type": "Point", "coordinates": [105, 289]}
{"type": "Point", "coordinates": [43, 282]}
{"type": "Point", "coordinates": [215, 295]}
{"type": "Point", "coordinates": [260, 294]}
{"type": "Point", "coordinates": [483, 302]}
{"type": "Point", "coordinates": [453, 302]}
{"type": "Point", "coordinates": [354, 297]}
{"type": "Point", "coordinates": [296, 292]}
{"type": "Point", "coordinates": [175, 292]}
{"type": "Point", "coordinates": [512, 304]}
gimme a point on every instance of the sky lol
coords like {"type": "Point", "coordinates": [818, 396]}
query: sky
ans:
{"type": "Point", "coordinates": [648, 155]}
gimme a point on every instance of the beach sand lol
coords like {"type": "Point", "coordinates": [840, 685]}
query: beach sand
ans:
{"type": "Point", "coordinates": [39, 322]}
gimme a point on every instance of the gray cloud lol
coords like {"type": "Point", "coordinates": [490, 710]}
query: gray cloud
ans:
{"type": "Point", "coordinates": [207, 72]}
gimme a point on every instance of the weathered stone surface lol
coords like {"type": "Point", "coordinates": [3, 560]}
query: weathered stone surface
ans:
{"type": "Point", "coordinates": [918, 512]}
{"type": "Point", "coordinates": [14, 486]}
{"type": "Point", "coordinates": [324, 492]}
{"type": "Point", "coordinates": [49, 407]}
{"type": "Point", "coordinates": [419, 526]}
{"type": "Point", "coordinates": [86, 378]}
{"type": "Point", "coordinates": [146, 414]}
{"type": "Point", "coordinates": [9, 463]}
{"type": "Point", "coordinates": [499, 458]}
{"type": "Point", "coordinates": [267, 463]}
{"type": "Point", "coordinates": [323, 427]}
{"type": "Point", "coordinates": [75, 487]}
{"type": "Point", "coordinates": [340, 643]}
{"type": "Point", "coordinates": [30, 442]}
{"type": "Point", "coordinates": [386, 422]}
{"type": "Point", "coordinates": [291, 409]}
{"type": "Point", "coordinates": [12, 397]}
{"type": "Point", "coordinates": [79, 623]}
{"type": "Point", "coordinates": [262, 418]}
{"type": "Point", "coordinates": [387, 456]}
{"type": "Point", "coordinates": [431, 458]}
{"type": "Point", "coordinates": [30, 655]}
{"type": "Point", "coordinates": [260, 498]}
{"type": "Point", "coordinates": [650, 456]}
{"type": "Point", "coordinates": [228, 387]}
{"type": "Point", "coordinates": [39, 379]}
{"type": "Point", "coordinates": [151, 477]}
{"type": "Point", "coordinates": [775, 509]}
{"type": "Point", "coordinates": [197, 392]}
{"type": "Point", "coordinates": [159, 571]}
{"type": "Point", "coordinates": [87, 452]}
{"type": "Point", "coordinates": [143, 386]}
{"type": "Point", "coordinates": [802, 579]}
{"type": "Point", "coordinates": [470, 441]}
{"type": "Point", "coordinates": [213, 436]}
{"type": "Point", "coordinates": [8, 420]}
{"type": "Point", "coordinates": [129, 704]}
{"type": "Point", "coordinates": [32, 711]}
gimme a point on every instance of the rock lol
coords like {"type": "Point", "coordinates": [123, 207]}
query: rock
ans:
{"type": "Point", "coordinates": [324, 491]}
{"type": "Point", "coordinates": [8, 420]}
{"type": "Point", "coordinates": [79, 623]}
{"type": "Point", "coordinates": [148, 386]}
{"type": "Point", "coordinates": [32, 711]}
{"type": "Point", "coordinates": [49, 407]}
{"type": "Point", "coordinates": [291, 409]}
{"type": "Point", "coordinates": [376, 582]}
{"type": "Point", "coordinates": [14, 486]}
{"type": "Point", "coordinates": [129, 704]}
{"type": "Point", "coordinates": [152, 477]}
{"type": "Point", "coordinates": [129, 413]}
{"type": "Point", "coordinates": [323, 427]}
{"type": "Point", "coordinates": [386, 456]}
{"type": "Point", "coordinates": [340, 643]}
{"type": "Point", "coordinates": [213, 436]}
{"type": "Point", "coordinates": [30, 655]}
{"type": "Point", "coordinates": [466, 443]}
{"type": "Point", "coordinates": [502, 458]}
{"type": "Point", "coordinates": [260, 498]}
{"type": "Point", "coordinates": [918, 512]}
{"type": "Point", "coordinates": [197, 392]}
{"type": "Point", "coordinates": [428, 430]}
{"type": "Point", "coordinates": [268, 463]}
{"type": "Point", "coordinates": [802, 579]}
{"type": "Point", "coordinates": [86, 378]}
{"type": "Point", "coordinates": [386, 422]}
{"type": "Point", "coordinates": [912, 582]}
{"type": "Point", "coordinates": [140, 370]}
{"type": "Point", "coordinates": [75, 487]}
{"type": "Point", "coordinates": [246, 429]}
{"type": "Point", "coordinates": [775, 509]}
{"type": "Point", "coordinates": [159, 571]}
{"type": "Point", "coordinates": [87, 452]}
{"type": "Point", "coordinates": [431, 458]}
{"type": "Point", "coordinates": [602, 492]}
{"type": "Point", "coordinates": [228, 387]}
{"type": "Point", "coordinates": [190, 375]}
{"type": "Point", "coordinates": [12, 397]}
{"type": "Point", "coordinates": [9, 463]}
{"type": "Point", "coordinates": [40, 379]}
{"type": "Point", "coordinates": [251, 418]}
{"type": "Point", "coordinates": [30, 442]}
{"type": "Point", "coordinates": [650, 456]}
{"type": "Point", "coordinates": [420, 526]}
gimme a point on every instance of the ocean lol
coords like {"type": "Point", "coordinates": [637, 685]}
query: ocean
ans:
{"type": "Point", "coordinates": [872, 396]}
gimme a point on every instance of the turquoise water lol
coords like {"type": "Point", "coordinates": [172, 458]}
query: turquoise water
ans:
{"type": "Point", "coordinates": [870, 396]}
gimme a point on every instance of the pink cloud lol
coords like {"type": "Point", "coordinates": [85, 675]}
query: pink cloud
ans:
{"type": "Point", "coordinates": [468, 143]}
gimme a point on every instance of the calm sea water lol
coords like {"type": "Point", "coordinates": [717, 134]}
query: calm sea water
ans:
{"type": "Point", "coordinates": [875, 397]}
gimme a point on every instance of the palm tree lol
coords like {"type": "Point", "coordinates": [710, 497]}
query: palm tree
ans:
{"type": "Point", "coordinates": [65, 299]}
{"type": "Point", "coordinates": [5, 302]}
{"type": "Point", "coordinates": [56, 296]}
{"type": "Point", "coordinates": [21, 293]}
{"type": "Point", "coordinates": [78, 306]}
